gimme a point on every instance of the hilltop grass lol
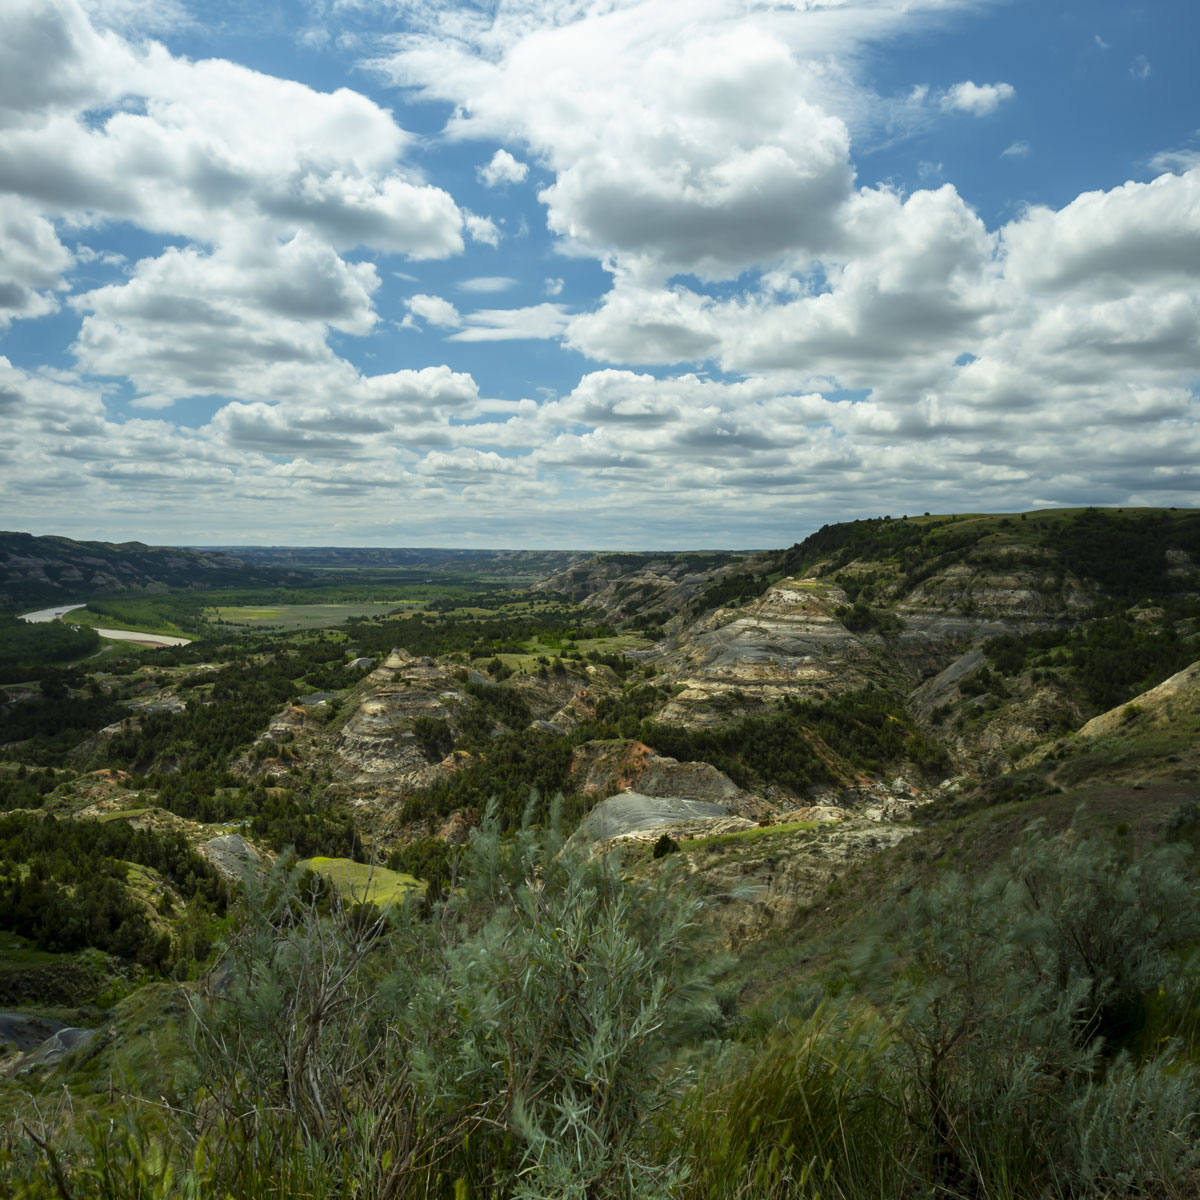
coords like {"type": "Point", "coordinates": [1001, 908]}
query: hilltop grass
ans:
{"type": "Point", "coordinates": [124, 814]}
{"type": "Point", "coordinates": [1130, 750]}
{"type": "Point", "coordinates": [526, 663]}
{"type": "Point", "coordinates": [362, 882]}
{"type": "Point", "coordinates": [778, 971]}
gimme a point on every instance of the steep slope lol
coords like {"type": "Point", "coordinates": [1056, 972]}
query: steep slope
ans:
{"type": "Point", "coordinates": [998, 631]}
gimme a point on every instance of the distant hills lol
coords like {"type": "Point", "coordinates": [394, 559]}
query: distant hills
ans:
{"type": "Point", "coordinates": [48, 570]}
{"type": "Point", "coordinates": [504, 561]}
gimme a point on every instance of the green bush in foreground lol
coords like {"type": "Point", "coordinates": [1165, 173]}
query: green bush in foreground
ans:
{"type": "Point", "coordinates": [514, 1040]}
{"type": "Point", "coordinates": [1029, 1036]}
{"type": "Point", "coordinates": [1000, 1039]}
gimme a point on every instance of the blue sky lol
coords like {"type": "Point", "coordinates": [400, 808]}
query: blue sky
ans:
{"type": "Point", "coordinates": [615, 274]}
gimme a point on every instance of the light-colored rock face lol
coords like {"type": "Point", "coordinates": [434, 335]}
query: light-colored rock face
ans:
{"type": "Point", "coordinates": [988, 729]}
{"type": "Point", "coordinates": [378, 741]}
{"type": "Point", "coordinates": [634, 815]}
{"type": "Point", "coordinates": [792, 642]}
{"type": "Point", "coordinates": [232, 855]}
{"type": "Point", "coordinates": [604, 768]}
{"type": "Point", "coordinates": [663, 586]}
{"type": "Point", "coordinates": [52, 1051]}
{"type": "Point", "coordinates": [1006, 581]}
{"type": "Point", "coordinates": [785, 643]}
{"type": "Point", "coordinates": [943, 688]}
{"type": "Point", "coordinates": [25, 1031]}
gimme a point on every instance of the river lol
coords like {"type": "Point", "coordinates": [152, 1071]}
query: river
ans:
{"type": "Point", "coordinates": [156, 640]}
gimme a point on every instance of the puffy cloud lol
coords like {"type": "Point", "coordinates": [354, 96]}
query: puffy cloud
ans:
{"type": "Point", "coordinates": [53, 61]}
{"type": "Point", "coordinates": [434, 310]}
{"type": "Point", "coordinates": [1135, 233]}
{"type": "Point", "coordinates": [977, 99]}
{"type": "Point", "coordinates": [502, 168]}
{"type": "Point", "coordinates": [681, 139]}
{"type": "Point", "coordinates": [229, 322]}
{"type": "Point", "coordinates": [673, 146]}
{"type": "Point", "coordinates": [99, 127]}
{"type": "Point", "coordinates": [481, 229]}
{"type": "Point", "coordinates": [645, 324]}
{"type": "Point", "coordinates": [918, 278]}
{"type": "Point", "coordinates": [32, 261]}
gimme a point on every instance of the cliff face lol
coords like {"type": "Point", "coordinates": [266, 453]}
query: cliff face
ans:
{"type": "Point", "coordinates": [796, 640]}
{"type": "Point", "coordinates": [641, 587]}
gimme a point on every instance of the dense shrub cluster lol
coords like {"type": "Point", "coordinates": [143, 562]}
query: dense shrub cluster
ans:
{"type": "Point", "coordinates": [1007, 1039]}
{"type": "Point", "coordinates": [1125, 553]}
{"type": "Point", "coordinates": [186, 754]}
{"type": "Point", "coordinates": [793, 746]}
{"type": "Point", "coordinates": [1113, 658]}
{"type": "Point", "coordinates": [25, 643]}
{"type": "Point", "coordinates": [733, 589]}
{"type": "Point", "coordinates": [514, 1042]}
{"type": "Point", "coordinates": [51, 725]}
{"type": "Point", "coordinates": [65, 885]}
{"type": "Point", "coordinates": [310, 827]}
{"type": "Point", "coordinates": [26, 789]}
{"type": "Point", "coordinates": [481, 637]}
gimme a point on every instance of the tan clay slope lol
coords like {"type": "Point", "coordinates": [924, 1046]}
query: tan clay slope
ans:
{"type": "Point", "coordinates": [794, 641]}
{"type": "Point", "coordinates": [1173, 698]}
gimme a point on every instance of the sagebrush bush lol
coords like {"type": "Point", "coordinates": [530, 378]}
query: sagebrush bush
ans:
{"type": "Point", "coordinates": [513, 1040]}
{"type": "Point", "coordinates": [1028, 1035]}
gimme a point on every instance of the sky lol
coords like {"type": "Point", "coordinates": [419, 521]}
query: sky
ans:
{"type": "Point", "coordinates": [620, 274]}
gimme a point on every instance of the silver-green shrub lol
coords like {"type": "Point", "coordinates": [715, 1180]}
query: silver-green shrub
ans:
{"type": "Point", "coordinates": [511, 1041]}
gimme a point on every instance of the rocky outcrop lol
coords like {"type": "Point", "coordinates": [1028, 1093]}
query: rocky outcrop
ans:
{"type": "Point", "coordinates": [378, 739]}
{"type": "Point", "coordinates": [1014, 593]}
{"type": "Point", "coordinates": [603, 768]}
{"type": "Point", "coordinates": [793, 641]}
{"type": "Point", "coordinates": [232, 855]}
{"type": "Point", "coordinates": [632, 815]}
{"type": "Point", "coordinates": [25, 1031]}
{"type": "Point", "coordinates": [624, 586]}
{"type": "Point", "coordinates": [52, 1051]}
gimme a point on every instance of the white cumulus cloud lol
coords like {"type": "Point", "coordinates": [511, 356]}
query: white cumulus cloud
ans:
{"type": "Point", "coordinates": [434, 310]}
{"type": "Point", "coordinates": [977, 99]}
{"type": "Point", "coordinates": [502, 168]}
